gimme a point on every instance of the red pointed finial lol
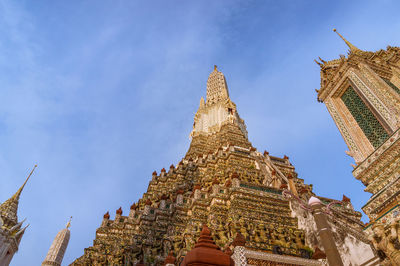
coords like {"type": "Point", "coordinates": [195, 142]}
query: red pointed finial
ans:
{"type": "Point", "coordinates": [170, 259]}
{"type": "Point", "coordinates": [345, 199]}
{"type": "Point", "coordinates": [106, 215]}
{"type": "Point", "coordinates": [119, 211]}
{"type": "Point", "coordinates": [164, 197]}
{"type": "Point", "coordinates": [239, 240]}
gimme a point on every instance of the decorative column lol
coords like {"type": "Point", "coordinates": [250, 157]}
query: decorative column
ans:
{"type": "Point", "coordinates": [292, 186]}
{"type": "Point", "coordinates": [179, 197]}
{"type": "Point", "coordinates": [197, 192]}
{"type": "Point", "coordinates": [118, 214]}
{"type": "Point", "coordinates": [163, 202]}
{"type": "Point", "coordinates": [147, 207]}
{"type": "Point", "coordinates": [106, 218]}
{"type": "Point", "coordinates": [215, 187]}
{"type": "Point", "coordinates": [325, 233]}
{"type": "Point", "coordinates": [132, 212]}
{"type": "Point", "coordinates": [238, 252]}
{"type": "Point", "coordinates": [56, 252]}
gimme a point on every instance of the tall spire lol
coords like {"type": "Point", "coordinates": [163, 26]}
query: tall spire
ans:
{"type": "Point", "coordinates": [57, 249]}
{"type": "Point", "coordinates": [217, 90]}
{"type": "Point", "coordinates": [9, 208]}
{"type": "Point", "coordinates": [353, 49]}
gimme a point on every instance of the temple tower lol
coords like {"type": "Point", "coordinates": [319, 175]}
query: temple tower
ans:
{"type": "Point", "coordinates": [218, 109]}
{"type": "Point", "coordinates": [11, 230]}
{"type": "Point", "coordinates": [225, 183]}
{"type": "Point", "coordinates": [57, 249]}
{"type": "Point", "coordinates": [361, 92]}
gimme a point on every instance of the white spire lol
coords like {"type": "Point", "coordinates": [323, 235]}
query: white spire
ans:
{"type": "Point", "coordinates": [218, 110]}
{"type": "Point", "coordinates": [57, 249]}
{"type": "Point", "coordinates": [217, 90]}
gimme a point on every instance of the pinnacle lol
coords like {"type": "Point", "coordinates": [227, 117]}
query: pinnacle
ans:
{"type": "Point", "coordinates": [9, 208]}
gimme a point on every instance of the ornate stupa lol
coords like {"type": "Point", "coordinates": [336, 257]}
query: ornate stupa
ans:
{"type": "Point", "coordinates": [11, 230]}
{"type": "Point", "coordinates": [254, 204]}
{"type": "Point", "coordinates": [57, 249]}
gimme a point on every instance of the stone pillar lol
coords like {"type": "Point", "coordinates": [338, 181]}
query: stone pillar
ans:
{"type": "Point", "coordinates": [163, 171]}
{"type": "Point", "coordinates": [292, 186]}
{"type": "Point", "coordinates": [325, 233]}
{"type": "Point", "coordinates": [118, 214]}
{"type": "Point", "coordinates": [147, 207]}
{"type": "Point", "coordinates": [215, 187]}
{"type": "Point", "coordinates": [179, 197]}
{"type": "Point", "coordinates": [163, 201]}
{"type": "Point", "coordinates": [106, 218]}
{"type": "Point", "coordinates": [132, 211]}
{"type": "Point", "coordinates": [235, 180]}
{"type": "Point", "coordinates": [238, 252]}
{"type": "Point", "coordinates": [154, 176]}
{"type": "Point", "coordinates": [197, 192]}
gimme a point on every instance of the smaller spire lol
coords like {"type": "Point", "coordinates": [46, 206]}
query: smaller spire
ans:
{"type": "Point", "coordinates": [69, 223]}
{"type": "Point", "coordinates": [215, 68]}
{"type": "Point", "coordinates": [353, 49]}
{"type": "Point", "coordinates": [9, 208]}
{"type": "Point", "coordinates": [18, 193]}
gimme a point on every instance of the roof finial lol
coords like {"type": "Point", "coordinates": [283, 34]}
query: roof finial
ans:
{"type": "Point", "coordinates": [18, 193]}
{"type": "Point", "coordinates": [352, 47]}
{"type": "Point", "coordinates": [215, 68]}
{"type": "Point", "coordinates": [69, 222]}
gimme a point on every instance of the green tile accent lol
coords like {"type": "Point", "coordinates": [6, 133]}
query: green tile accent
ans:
{"type": "Point", "coordinates": [365, 119]}
{"type": "Point", "coordinates": [391, 85]}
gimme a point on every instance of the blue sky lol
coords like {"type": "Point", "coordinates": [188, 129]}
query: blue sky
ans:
{"type": "Point", "coordinates": [101, 93]}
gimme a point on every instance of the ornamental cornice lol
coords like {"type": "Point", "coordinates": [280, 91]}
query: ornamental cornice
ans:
{"type": "Point", "coordinates": [383, 199]}
{"type": "Point", "coordinates": [334, 81]}
{"type": "Point", "coordinates": [362, 171]}
{"type": "Point", "coordinates": [280, 258]}
{"type": "Point", "coordinates": [384, 174]}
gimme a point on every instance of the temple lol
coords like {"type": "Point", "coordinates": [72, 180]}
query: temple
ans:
{"type": "Point", "coordinates": [226, 203]}
{"type": "Point", "coordinates": [11, 230]}
{"type": "Point", "coordinates": [361, 92]}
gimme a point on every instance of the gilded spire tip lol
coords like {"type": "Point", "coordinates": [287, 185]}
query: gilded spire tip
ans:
{"type": "Point", "coordinates": [69, 223]}
{"type": "Point", "coordinates": [18, 193]}
{"type": "Point", "coordinates": [351, 46]}
{"type": "Point", "coordinates": [215, 68]}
